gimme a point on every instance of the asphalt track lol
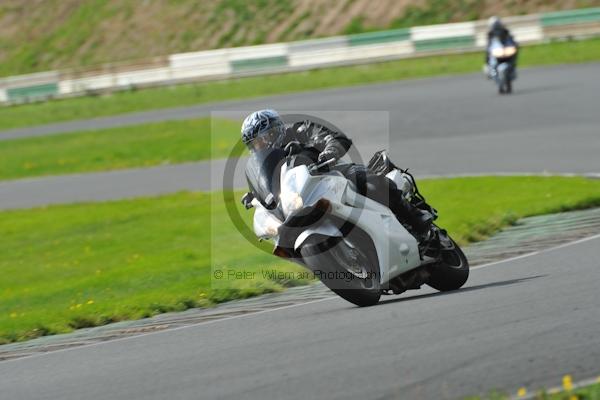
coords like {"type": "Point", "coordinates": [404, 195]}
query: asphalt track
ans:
{"type": "Point", "coordinates": [522, 322]}
{"type": "Point", "coordinates": [438, 126]}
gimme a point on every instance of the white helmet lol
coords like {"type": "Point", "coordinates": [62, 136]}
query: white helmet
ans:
{"type": "Point", "coordinates": [494, 23]}
{"type": "Point", "coordinates": [264, 128]}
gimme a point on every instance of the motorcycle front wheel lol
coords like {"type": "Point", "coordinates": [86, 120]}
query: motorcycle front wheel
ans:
{"type": "Point", "coordinates": [347, 266]}
{"type": "Point", "coordinates": [452, 272]}
{"type": "Point", "coordinates": [501, 88]}
{"type": "Point", "coordinates": [508, 86]}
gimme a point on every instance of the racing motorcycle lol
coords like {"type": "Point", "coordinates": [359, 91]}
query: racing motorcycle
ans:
{"type": "Point", "coordinates": [356, 246]}
{"type": "Point", "coordinates": [501, 64]}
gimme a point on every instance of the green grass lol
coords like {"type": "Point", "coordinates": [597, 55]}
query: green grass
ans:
{"type": "Point", "coordinates": [118, 148]}
{"type": "Point", "coordinates": [155, 98]}
{"type": "Point", "coordinates": [475, 208]}
{"type": "Point", "coordinates": [439, 12]}
{"type": "Point", "coordinates": [60, 41]}
{"type": "Point", "coordinates": [589, 392]}
{"type": "Point", "coordinates": [59, 35]}
{"type": "Point", "coordinates": [72, 266]}
{"type": "Point", "coordinates": [55, 36]}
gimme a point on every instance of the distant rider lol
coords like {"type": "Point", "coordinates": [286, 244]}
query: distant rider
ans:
{"type": "Point", "coordinates": [266, 129]}
{"type": "Point", "coordinates": [497, 29]}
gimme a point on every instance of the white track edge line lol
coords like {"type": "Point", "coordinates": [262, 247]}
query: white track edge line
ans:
{"type": "Point", "coordinates": [534, 253]}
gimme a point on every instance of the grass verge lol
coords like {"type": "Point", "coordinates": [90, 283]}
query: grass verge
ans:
{"type": "Point", "coordinates": [73, 266]}
{"type": "Point", "coordinates": [591, 392]}
{"type": "Point", "coordinates": [117, 148]}
{"type": "Point", "coordinates": [588, 392]}
{"type": "Point", "coordinates": [155, 98]}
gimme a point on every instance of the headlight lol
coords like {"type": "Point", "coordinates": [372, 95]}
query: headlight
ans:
{"type": "Point", "coordinates": [498, 52]}
{"type": "Point", "coordinates": [290, 202]}
{"type": "Point", "coordinates": [510, 51]}
{"type": "Point", "coordinates": [265, 224]}
{"type": "Point", "coordinates": [271, 226]}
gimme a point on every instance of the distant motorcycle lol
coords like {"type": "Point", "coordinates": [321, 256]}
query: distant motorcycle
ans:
{"type": "Point", "coordinates": [354, 245]}
{"type": "Point", "coordinates": [502, 64]}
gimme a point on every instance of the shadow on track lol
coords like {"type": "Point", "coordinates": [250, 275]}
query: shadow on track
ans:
{"type": "Point", "coordinates": [462, 290]}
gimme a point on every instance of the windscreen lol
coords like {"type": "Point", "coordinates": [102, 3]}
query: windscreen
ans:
{"type": "Point", "coordinates": [263, 172]}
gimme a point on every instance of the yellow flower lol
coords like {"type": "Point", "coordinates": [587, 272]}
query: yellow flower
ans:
{"type": "Point", "coordinates": [567, 382]}
{"type": "Point", "coordinates": [522, 392]}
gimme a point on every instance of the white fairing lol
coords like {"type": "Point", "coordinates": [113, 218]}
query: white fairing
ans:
{"type": "Point", "coordinates": [265, 224]}
{"type": "Point", "coordinates": [326, 228]}
{"type": "Point", "coordinates": [396, 248]}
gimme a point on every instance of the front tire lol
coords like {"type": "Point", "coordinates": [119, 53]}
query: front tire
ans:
{"type": "Point", "coordinates": [503, 87]}
{"type": "Point", "coordinates": [352, 257]}
{"type": "Point", "coordinates": [452, 272]}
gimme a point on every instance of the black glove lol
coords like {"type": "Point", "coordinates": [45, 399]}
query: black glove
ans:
{"type": "Point", "coordinates": [293, 147]}
{"type": "Point", "coordinates": [327, 155]}
{"type": "Point", "coordinates": [247, 200]}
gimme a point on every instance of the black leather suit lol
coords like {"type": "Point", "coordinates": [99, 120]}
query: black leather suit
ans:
{"type": "Point", "coordinates": [373, 186]}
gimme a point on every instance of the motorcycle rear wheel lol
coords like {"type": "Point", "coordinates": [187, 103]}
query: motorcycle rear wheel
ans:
{"type": "Point", "coordinates": [347, 266]}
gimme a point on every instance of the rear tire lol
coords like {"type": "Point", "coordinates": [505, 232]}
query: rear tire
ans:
{"type": "Point", "coordinates": [322, 256]}
{"type": "Point", "coordinates": [452, 272]}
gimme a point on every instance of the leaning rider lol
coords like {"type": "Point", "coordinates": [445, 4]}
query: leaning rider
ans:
{"type": "Point", "coordinates": [266, 129]}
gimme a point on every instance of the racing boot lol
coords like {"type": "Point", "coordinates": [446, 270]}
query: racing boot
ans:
{"type": "Point", "coordinates": [420, 220]}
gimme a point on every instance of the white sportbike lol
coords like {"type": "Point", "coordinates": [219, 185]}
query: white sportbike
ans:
{"type": "Point", "coordinates": [501, 65]}
{"type": "Point", "coordinates": [354, 245]}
